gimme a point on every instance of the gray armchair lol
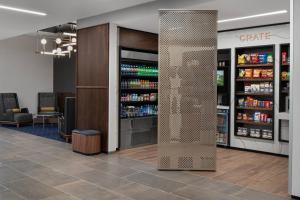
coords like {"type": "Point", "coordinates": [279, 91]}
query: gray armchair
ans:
{"type": "Point", "coordinates": [10, 112]}
{"type": "Point", "coordinates": [47, 103]}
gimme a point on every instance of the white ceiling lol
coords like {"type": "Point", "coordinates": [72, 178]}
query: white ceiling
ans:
{"type": "Point", "coordinates": [59, 12]}
{"type": "Point", "coordinates": [143, 16]}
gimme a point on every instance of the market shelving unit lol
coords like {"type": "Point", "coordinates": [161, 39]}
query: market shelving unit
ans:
{"type": "Point", "coordinates": [138, 97]}
{"type": "Point", "coordinates": [223, 108]}
{"type": "Point", "coordinates": [254, 92]}
{"type": "Point", "coordinates": [284, 87]}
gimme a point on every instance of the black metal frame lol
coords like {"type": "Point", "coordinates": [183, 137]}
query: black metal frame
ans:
{"type": "Point", "coordinates": [272, 46]}
{"type": "Point", "coordinates": [228, 91]}
{"type": "Point", "coordinates": [280, 91]}
{"type": "Point", "coordinates": [120, 77]}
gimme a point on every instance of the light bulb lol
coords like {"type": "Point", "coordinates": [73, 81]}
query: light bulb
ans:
{"type": "Point", "coordinates": [58, 50]}
{"type": "Point", "coordinates": [73, 40]}
{"type": "Point", "coordinates": [54, 51]}
{"type": "Point", "coordinates": [75, 50]}
{"type": "Point", "coordinates": [58, 40]}
{"type": "Point", "coordinates": [43, 41]}
{"type": "Point", "coordinates": [70, 48]}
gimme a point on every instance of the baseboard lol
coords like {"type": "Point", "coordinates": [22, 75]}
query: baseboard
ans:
{"type": "Point", "coordinates": [262, 152]}
{"type": "Point", "coordinates": [295, 197]}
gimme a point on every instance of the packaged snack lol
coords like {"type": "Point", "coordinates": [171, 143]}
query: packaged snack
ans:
{"type": "Point", "coordinates": [267, 87]}
{"type": "Point", "coordinates": [247, 88]}
{"type": "Point", "coordinates": [262, 58]}
{"type": "Point", "coordinates": [270, 58]}
{"type": "Point", "coordinates": [257, 73]}
{"type": "Point", "coordinates": [241, 73]}
{"type": "Point", "coordinates": [255, 87]}
{"type": "Point", "coordinates": [245, 131]}
{"type": "Point", "coordinates": [269, 73]}
{"type": "Point", "coordinates": [255, 103]}
{"type": "Point", "coordinates": [250, 101]}
{"type": "Point", "coordinates": [256, 116]}
{"type": "Point", "coordinates": [254, 58]}
{"type": "Point", "coordinates": [263, 117]}
{"type": "Point", "coordinates": [284, 57]}
{"type": "Point", "coordinates": [245, 117]}
{"type": "Point", "coordinates": [247, 59]}
{"type": "Point", "coordinates": [284, 75]}
{"type": "Point", "coordinates": [262, 87]}
{"type": "Point", "coordinates": [241, 102]}
{"type": "Point", "coordinates": [267, 104]}
{"type": "Point", "coordinates": [264, 73]}
{"type": "Point", "coordinates": [241, 59]}
{"type": "Point", "coordinates": [270, 87]}
{"type": "Point", "coordinates": [248, 73]}
{"type": "Point", "coordinates": [239, 116]}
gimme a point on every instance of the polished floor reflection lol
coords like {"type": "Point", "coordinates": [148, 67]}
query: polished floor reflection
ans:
{"type": "Point", "coordinates": [35, 168]}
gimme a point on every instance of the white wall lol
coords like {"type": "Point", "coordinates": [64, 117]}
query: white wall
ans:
{"type": "Point", "coordinates": [278, 35]}
{"type": "Point", "coordinates": [294, 165]}
{"type": "Point", "coordinates": [24, 72]}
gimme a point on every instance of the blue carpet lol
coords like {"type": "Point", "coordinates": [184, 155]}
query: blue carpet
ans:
{"type": "Point", "coordinates": [50, 131]}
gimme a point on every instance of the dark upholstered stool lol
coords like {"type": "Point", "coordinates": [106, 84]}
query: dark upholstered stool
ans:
{"type": "Point", "coordinates": [87, 142]}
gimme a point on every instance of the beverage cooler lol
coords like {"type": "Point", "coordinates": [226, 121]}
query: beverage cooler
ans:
{"type": "Point", "coordinates": [138, 98]}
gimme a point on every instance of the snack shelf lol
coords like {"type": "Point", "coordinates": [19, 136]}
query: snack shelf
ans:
{"type": "Point", "coordinates": [140, 117]}
{"type": "Point", "coordinates": [138, 102]}
{"type": "Point", "coordinates": [248, 136]}
{"type": "Point", "coordinates": [254, 92]}
{"type": "Point", "coordinates": [254, 108]}
{"type": "Point", "coordinates": [138, 76]}
{"type": "Point", "coordinates": [284, 74]}
{"type": "Point", "coordinates": [253, 123]}
{"type": "Point", "coordinates": [255, 65]}
{"type": "Point", "coordinates": [285, 64]}
{"type": "Point", "coordinates": [139, 89]}
{"type": "Point", "coordinates": [255, 79]}
{"type": "Point", "coordinates": [137, 61]}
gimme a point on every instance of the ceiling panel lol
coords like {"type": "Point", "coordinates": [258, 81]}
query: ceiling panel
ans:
{"type": "Point", "coordinates": [59, 12]}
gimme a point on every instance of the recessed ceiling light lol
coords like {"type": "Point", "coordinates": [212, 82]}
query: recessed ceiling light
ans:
{"type": "Point", "coordinates": [254, 16]}
{"type": "Point", "coordinates": [22, 10]}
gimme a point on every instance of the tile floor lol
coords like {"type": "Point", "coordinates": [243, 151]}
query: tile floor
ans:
{"type": "Point", "coordinates": [35, 168]}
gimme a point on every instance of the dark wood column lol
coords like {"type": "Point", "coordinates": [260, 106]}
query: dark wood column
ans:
{"type": "Point", "coordinates": [92, 80]}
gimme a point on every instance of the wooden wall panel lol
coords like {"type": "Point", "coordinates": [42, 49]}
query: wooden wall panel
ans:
{"type": "Point", "coordinates": [93, 56]}
{"type": "Point", "coordinates": [92, 80]}
{"type": "Point", "coordinates": [138, 39]}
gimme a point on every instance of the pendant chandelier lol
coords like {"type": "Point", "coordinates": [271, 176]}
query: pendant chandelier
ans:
{"type": "Point", "coordinates": [57, 41]}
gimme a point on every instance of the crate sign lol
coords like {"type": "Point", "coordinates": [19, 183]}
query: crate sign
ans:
{"type": "Point", "coordinates": [255, 36]}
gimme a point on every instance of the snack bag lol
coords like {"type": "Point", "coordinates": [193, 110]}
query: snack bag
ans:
{"type": "Point", "coordinates": [254, 58]}
{"type": "Point", "coordinates": [270, 58]}
{"type": "Point", "coordinates": [270, 73]}
{"type": "Point", "coordinates": [284, 75]}
{"type": "Point", "coordinates": [248, 73]}
{"type": "Point", "coordinates": [241, 73]}
{"type": "Point", "coordinates": [264, 73]}
{"type": "Point", "coordinates": [247, 59]}
{"type": "Point", "coordinates": [241, 59]}
{"type": "Point", "coordinates": [257, 73]}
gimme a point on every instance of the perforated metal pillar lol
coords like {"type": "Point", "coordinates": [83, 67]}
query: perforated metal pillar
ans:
{"type": "Point", "coordinates": [187, 90]}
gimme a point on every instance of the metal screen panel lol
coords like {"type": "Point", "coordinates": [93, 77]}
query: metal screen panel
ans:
{"type": "Point", "coordinates": [187, 117]}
